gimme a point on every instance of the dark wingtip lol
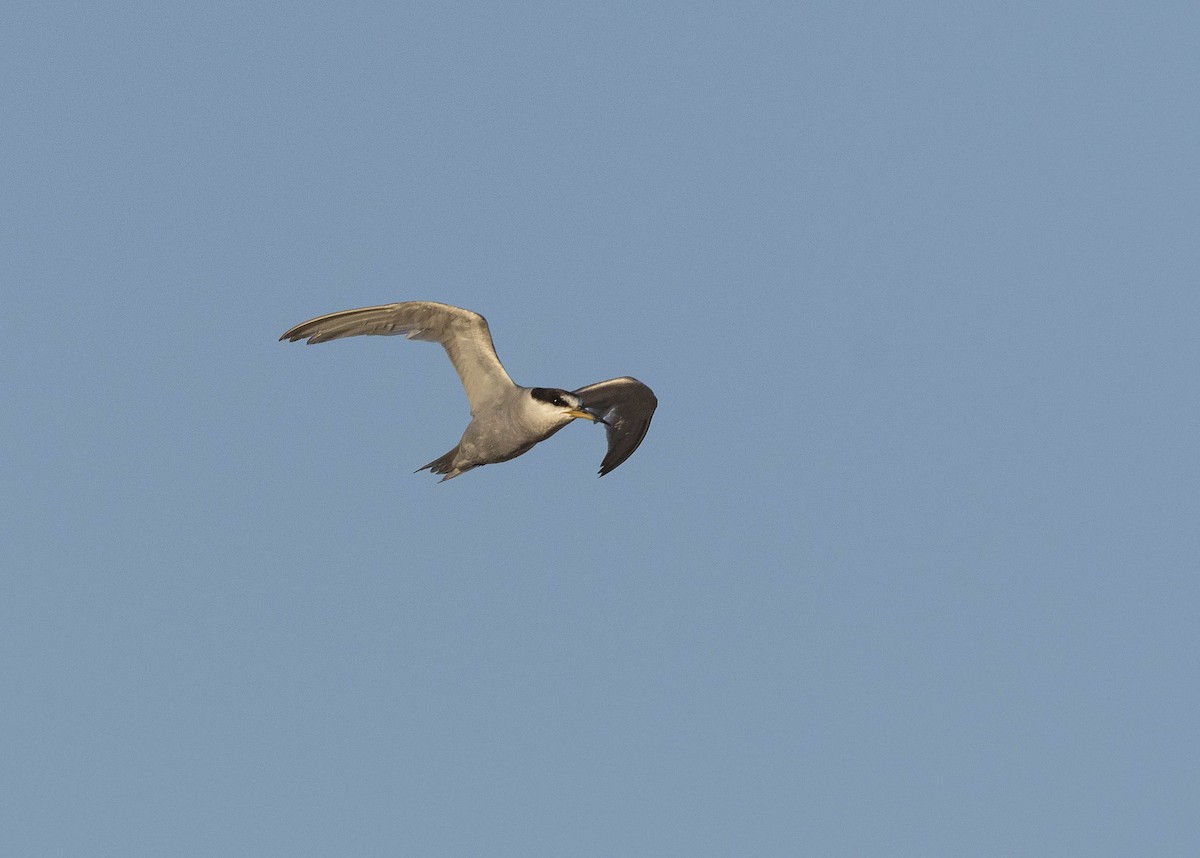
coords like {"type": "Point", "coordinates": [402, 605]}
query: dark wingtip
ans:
{"type": "Point", "coordinates": [292, 337]}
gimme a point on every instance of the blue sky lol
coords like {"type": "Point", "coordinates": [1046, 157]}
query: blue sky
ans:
{"type": "Point", "coordinates": [907, 564]}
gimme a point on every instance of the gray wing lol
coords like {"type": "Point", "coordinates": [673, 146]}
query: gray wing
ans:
{"type": "Point", "coordinates": [627, 406]}
{"type": "Point", "coordinates": [463, 334]}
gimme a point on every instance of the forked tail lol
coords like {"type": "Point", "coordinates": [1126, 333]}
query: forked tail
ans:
{"type": "Point", "coordinates": [444, 465]}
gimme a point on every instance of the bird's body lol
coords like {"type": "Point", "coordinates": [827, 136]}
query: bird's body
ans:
{"type": "Point", "coordinates": [506, 419]}
{"type": "Point", "coordinates": [500, 431]}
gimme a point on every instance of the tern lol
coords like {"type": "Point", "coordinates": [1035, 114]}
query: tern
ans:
{"type": "Point", "coordinates": [506, 419]}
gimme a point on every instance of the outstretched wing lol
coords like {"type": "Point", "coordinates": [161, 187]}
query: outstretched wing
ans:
{"type": "Point", "coordinates": [463, 334]}
{"type": "Point", "coordinates": [627, 406]}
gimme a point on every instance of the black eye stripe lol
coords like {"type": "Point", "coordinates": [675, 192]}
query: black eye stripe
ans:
{"type": "Point", "coordinates": [550, 395]}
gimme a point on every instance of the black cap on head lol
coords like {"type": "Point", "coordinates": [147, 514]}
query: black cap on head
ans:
{"type": "Point", "coordinates": [550, 395]}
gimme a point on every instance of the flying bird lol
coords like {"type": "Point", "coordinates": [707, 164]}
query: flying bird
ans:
{"type": "Point", "coordinates": [506, 419]}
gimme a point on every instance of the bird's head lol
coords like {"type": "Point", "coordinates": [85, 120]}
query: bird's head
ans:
{"type": "Point", "coordinates": [563, 403]}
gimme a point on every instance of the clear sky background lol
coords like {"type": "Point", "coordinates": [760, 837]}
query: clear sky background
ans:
{"type": "Point", "coordinates": [907, 564]}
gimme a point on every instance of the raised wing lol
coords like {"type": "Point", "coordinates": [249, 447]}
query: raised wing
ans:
{"type": "Point", "coordinates": [627, 406]}
{"type": "Point", "coordinates": [463, 334]}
